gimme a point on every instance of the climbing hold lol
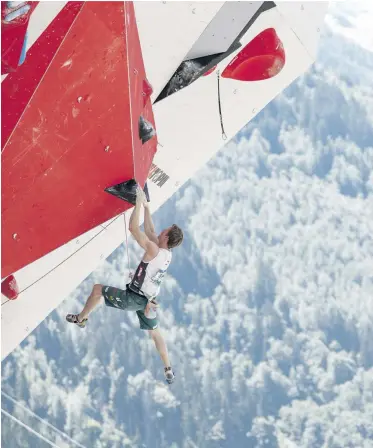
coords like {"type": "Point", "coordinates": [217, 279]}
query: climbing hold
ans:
{"type": "Point", "coordinates": [146, 130]}
{"type": "Point", "coordinates": [17, 13]}
{"type": "Point", "coordinates": [12, 5]}
{"type": "Point", "coordinates": [261, 58]}
{"type": "Point", "coordinates": [125, 191]}
{"type": "Point", "coordinates": [147, 90]}
{"type": "Point", "coordinates": [10, 288]}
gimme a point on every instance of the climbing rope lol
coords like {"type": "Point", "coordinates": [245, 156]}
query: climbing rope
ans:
{"type": "Point", "coordinates": [29, 411]}
{"type": "Point", "coordinates": [37, 434]}
{"type": "Point", "coordinates": [128, 255]}
{"type": "Point", "coordinates": [223, 134]}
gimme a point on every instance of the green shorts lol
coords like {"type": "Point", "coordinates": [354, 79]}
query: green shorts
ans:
{"type": "Point", "coordinates": [128, 300]}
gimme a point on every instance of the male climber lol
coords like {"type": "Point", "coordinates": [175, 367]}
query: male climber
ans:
{"type": "Point", "coordinates": [141, 292]}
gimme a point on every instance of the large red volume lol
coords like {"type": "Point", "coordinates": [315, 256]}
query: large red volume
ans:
{"type": "Point", "coordinates": [76, 132]}
{"type": "Point", "coordinates": [38, 59]}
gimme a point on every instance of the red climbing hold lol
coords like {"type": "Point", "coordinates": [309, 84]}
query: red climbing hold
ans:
{"type": "Point", "coordinates": [261, 58]}
{"type": "Point", "coordinates": [147, 90]}
{"type": "Point", "coordinates": [10, 288]}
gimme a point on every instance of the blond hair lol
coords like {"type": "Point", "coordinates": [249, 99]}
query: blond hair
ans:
{"type": "Point", "coordinates": [175, 236]}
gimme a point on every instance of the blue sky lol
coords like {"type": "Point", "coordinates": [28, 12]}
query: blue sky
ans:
{"type": "Point", "coordinates": [267, 308]}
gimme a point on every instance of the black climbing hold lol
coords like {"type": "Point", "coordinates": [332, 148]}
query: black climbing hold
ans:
{"type": "Point", "coordinates": [146, 130]}
{"type": "Point", "coordinates": [125, 191]}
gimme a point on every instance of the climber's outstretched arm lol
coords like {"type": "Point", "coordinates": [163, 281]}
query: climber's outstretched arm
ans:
{"type": "Point", "coordinates": [148, 224]}
{"type": "Point", "coordinates": [142, 239]}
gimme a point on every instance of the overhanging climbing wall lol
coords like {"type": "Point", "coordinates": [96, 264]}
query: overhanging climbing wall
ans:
{"type": "Point", "coordinates": [70, 129]}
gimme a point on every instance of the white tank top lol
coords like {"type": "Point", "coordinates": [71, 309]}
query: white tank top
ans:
{"type": "Point", "coordinates": [149, 275]}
